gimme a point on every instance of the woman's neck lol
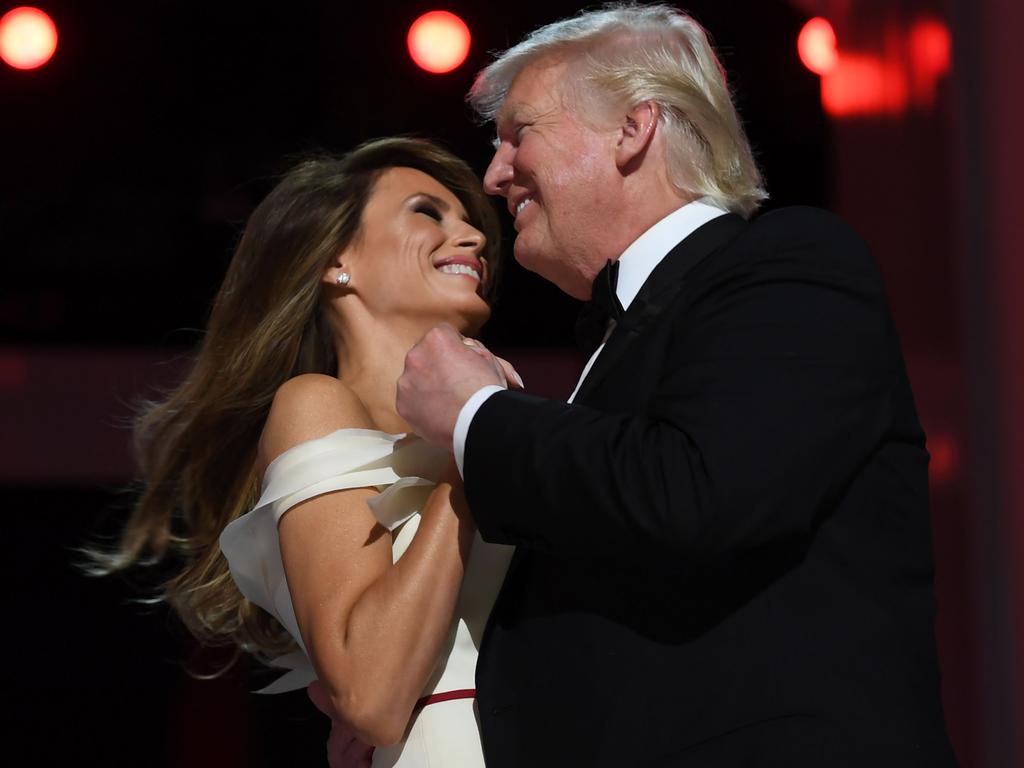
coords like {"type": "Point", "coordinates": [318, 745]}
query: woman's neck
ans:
{"type": "Point", "coordinates": [371, 357]}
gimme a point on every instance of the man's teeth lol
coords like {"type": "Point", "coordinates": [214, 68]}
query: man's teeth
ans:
{"type": "Point", "coordinates": [459, 269]}
{"type": "Point", "coordinates": [523, 204]}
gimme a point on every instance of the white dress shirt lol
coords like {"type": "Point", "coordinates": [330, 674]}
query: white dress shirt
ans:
{"type": "Point", "coordinates": [635, 265]}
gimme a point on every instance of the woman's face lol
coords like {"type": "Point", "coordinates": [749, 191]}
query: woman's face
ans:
{"type": "Point", "coordinates": [416, 256]}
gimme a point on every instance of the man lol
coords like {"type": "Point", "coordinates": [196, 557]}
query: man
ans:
{"type": "Point", "coordinates": [723, 550]}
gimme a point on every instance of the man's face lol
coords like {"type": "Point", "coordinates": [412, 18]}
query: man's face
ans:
{"type": "Point", "coordinates": [559, 177]}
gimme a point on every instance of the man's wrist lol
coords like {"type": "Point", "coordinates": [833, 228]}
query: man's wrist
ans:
{"type": "Point", "coordinates": [462, 423]}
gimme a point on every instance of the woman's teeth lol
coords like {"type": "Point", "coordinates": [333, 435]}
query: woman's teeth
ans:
{"type": "Point", "coordinates": [459, 269]}
{"type": "Point", "coordinates": [523, 204]}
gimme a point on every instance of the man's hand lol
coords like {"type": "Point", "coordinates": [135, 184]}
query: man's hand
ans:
{"type": "Point", "coordinates": [441, 373]}
{"type": "Point", "coordinates": [344, 750]}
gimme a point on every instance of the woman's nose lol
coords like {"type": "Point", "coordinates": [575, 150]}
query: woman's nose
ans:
{"type": "Point", "coordinates": [471, 237]}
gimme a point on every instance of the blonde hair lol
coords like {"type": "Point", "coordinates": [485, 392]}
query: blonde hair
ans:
{"type": "Point", "coordinates": [631, 54]}
{"type": "Point", "coordinates": [197, 447]}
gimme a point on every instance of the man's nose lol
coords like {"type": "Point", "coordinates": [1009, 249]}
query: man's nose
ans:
{"type": "Point", "coordinates": [498, 176]}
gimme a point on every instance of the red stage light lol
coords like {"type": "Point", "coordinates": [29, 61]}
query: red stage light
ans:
{"type": "Point", "coordinates": [816, 45]}
{"type": "Point", "coordinates": [930, 50]}
{"type": "Point", "coordinates": [438, 41]}
{"type": "Point", "coordinates": [930, 46]}
{"type": "Point", "coordinates": [864, 85]}
{"type": "Point", "coordinates": [28, 38]}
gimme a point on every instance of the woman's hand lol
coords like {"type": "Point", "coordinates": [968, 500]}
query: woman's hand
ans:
{"type": "Point", "coordinates": [344, 749]}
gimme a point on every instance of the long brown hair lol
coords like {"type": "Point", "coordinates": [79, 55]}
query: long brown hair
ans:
{"type": "Point", "coordinates": [197, 447]}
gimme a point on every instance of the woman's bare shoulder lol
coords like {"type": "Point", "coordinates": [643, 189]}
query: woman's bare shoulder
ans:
{"type": "Point", "coordinates": [307, 407]}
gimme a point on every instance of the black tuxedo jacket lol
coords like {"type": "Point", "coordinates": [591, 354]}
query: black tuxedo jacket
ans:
{"type": "Point", "coordinates": [724, 554]}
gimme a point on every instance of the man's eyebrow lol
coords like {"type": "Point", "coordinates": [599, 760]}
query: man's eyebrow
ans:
{"type": "Point", "coordinates": [510, 113]}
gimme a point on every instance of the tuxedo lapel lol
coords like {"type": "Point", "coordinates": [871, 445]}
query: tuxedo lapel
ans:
{"type": "Point", "coordinates": [658, 291]}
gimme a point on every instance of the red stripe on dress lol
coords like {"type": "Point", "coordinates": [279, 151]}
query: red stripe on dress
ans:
{"type": "Point", "coordinates": [437, 698]}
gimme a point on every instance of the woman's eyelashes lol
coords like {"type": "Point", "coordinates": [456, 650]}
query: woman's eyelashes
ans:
{"type": "Point", "coordinates": [429, 209]}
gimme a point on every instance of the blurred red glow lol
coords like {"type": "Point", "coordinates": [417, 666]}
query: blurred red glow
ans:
{"type": "Point", "coordinates": [28, 38]}
{"type": "Point", "coordinates": [930, 46]}
{"type": "Point", "coordinates": [863, 85]}
{"type": "Point", "coordinates": [816, 45]}
{"type": "Point", "coordinates": [438, 41]}
{"type": "Point", "coordinates": [930, 50]}
{"type": "Point", "coordinates": [903, 72]}
{"type": "Point", "coordinates": [945, 455]}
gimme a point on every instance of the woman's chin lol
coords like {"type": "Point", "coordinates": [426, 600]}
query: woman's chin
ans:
{"type": "Point", "coordinates": [470, 320]}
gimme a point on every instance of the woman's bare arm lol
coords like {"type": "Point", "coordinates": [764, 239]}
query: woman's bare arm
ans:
{"type": "Point", "coordinates": [374, 630]}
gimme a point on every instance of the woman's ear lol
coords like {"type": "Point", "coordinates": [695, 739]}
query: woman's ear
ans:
{"type": "Point", "coordinates": [636, 132]}
{"type": "Point", "coordinates": [337, 273]}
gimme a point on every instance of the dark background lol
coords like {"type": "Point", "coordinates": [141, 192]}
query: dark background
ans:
{"type": "Point", "coordinates": [138, 151]}
{"type": "Point", "coordinates": [130, 162]}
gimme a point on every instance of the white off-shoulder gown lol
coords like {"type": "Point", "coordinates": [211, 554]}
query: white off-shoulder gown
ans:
{"type": "Point", "coordinates": [445, 734]}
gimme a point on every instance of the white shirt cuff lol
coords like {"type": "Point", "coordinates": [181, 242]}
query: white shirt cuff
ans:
{"type": "Point", "coordinates": [461, 431]}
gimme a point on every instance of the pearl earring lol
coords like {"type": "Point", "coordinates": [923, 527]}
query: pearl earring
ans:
{"type": "Point", "coordinates": [343, 278]}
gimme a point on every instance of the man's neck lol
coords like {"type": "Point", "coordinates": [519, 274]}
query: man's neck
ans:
{"type": "Point", "coordinates": [645, 253]}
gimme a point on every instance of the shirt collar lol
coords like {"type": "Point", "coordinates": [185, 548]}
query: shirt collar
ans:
{"type": "Point", "coordinates": [645, 253]}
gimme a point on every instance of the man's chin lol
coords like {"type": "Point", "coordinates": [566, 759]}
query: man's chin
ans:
{"type": "Point", "coordinates": [553, 269]}
{"type": "Point", "coordinates": [532, 258]}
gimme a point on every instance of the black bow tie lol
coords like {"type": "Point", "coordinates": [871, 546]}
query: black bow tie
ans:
{"type": "Point", "coordinates": [603, 306]}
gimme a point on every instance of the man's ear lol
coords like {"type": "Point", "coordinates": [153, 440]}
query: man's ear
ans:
{"type": "Point", "coordinates": [636, 133]}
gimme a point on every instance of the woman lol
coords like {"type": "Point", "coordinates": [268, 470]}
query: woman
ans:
{"type": "Point", "coordinates": [350, 564]}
